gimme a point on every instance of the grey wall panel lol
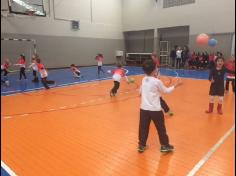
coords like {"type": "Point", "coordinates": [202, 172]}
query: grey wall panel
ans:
{"type": "Point", "coordinates": [175, 35]}
{"type": "Point", "coordinates": [139, 41]}
{"type": "Point", "coordinates": [63, 51]}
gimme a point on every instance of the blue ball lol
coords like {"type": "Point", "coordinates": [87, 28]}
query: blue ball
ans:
{"type": "Point", "coordinates": [212, 42]}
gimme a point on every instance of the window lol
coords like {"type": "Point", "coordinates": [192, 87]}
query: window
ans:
{"type": "Point", "coordinates": [24, 7]}
{"type": "Point", "coordinates": [171, 3]}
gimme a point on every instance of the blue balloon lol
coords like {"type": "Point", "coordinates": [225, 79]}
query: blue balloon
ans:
{"type": "Point", "coordinates": [212, 42]}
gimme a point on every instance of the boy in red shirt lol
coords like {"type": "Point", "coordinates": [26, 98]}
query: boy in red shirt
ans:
{"type": "Point", "coordinates": [75, 71]}
{"type": "Point", "coordinates": [22, 64]}
{"type": "Point", "coordinates": [117, 75]}
{"type": "Point", "coordinates": [44, 74]}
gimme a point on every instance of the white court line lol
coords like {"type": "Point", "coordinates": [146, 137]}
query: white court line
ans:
{"type": "Point", "coordinates": [88, 81]}
{"type": "Point", "coordinates": [6, 168]}
{"type": "Point", "coordinates": [210, 152]}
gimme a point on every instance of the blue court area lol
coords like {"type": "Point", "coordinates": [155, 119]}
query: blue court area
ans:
{"type": "Point", "coordinates": [64, 77]}
{"type": "Point", "coordinates": [4, 173]}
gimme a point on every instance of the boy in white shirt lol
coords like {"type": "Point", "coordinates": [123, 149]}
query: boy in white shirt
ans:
{"type": "Point", "coordinates": [151, 109]}
{"type": "Point", "coordinates": [34, 67]}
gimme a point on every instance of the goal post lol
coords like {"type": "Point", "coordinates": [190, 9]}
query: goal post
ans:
{"type": "Point", "coordinates": [11, 48]}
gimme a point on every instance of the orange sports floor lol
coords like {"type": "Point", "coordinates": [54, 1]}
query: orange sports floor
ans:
{"type": "Point", "coordinates": [81, 131]}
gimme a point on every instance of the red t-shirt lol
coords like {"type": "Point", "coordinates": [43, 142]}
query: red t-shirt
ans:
{"type": "Point", "coordinates": [119, 71]}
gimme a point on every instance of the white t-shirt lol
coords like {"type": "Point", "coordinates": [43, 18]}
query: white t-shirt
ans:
{"type": "Point", "coordinates": [43, 73]}
{"type": "Point", "coordinates": [34, 66]}
{"type": "Point", "coordinates": [99, 63]}
{"type": "Point", "coordinates": [178, 53]}
{"type": "Point", "coordinates": [117, 77]}
{"type": "Point", "coordinates": [151, 90]}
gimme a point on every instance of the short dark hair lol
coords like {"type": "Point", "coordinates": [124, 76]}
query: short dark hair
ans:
{"type": "Point", "coordinates": [72, 65]}
{"type": "Point", "coordinates": [38, 60]}
{"type": "Point", "coordinates": [218, 58]}
{"type": "Point", "coordinates": [148, 67]}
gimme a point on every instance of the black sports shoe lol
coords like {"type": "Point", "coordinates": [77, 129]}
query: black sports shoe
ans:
{"type": "Point", "coordinates": [141, 148]}
{"type": "Point", "coordinates": [167, 148]}
{"type": "Point", "coordinates": [111, 94]}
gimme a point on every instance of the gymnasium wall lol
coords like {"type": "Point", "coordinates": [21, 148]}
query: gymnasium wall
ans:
{"type": "Point", "coordinates": [139, 41]}
{"type": "Point", "coordinates": [215, 18]}
{"type": "Point", "coordinates": [57, 43]}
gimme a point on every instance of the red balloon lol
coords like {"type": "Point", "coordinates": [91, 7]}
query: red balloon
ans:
{"type": "Point", "coordinates": [202, 39]}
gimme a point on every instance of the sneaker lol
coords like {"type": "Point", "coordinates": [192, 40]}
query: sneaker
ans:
{"type": "Point", "coordinates": [112, 94]}
{"type": "Point", "coordinates": [170, 113]}
{"type": "Point", "coordinates": [141, 148]}
{"type": "Point", "coordinates": [167, 148]}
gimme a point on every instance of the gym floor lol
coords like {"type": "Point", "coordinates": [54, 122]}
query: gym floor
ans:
{"type": "Point", "coordinates": [76, 128]}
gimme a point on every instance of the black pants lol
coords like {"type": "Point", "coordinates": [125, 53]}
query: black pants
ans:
{"type": "Point", "coordinates": [164, 105]}
{"type": "Point", "coordinates": [100, 70]}
{"type": "Point", "coordinates": [5, 72]}
{"type": "Point", "coordinates": [178, 62]}
{"type": "Point", "coordinates": [45, 82]}
{"type": "Point", "coordinates": [115, 87]}
{"type": "Point", "coordinates": [35, 76]}
{"type": "Point", "coordinates": [227, 84]}
{"type": "Point", "coordinates": [173, 61]}
{"type": "Point", "coordinates": [22, 72]}
{"type": "Point", "coordinates": [145, 119]}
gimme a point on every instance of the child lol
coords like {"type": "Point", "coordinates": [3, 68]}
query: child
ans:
{"type": "Point", "coordinates": [75, 71]}
{"type": "Point", "coordinates": [150, 108]}
{"type": "Point", "coordinates": [34, 66]}
{"type": "Point", "coordinates": [117, 75]}
{"type": "Point", "coordinates": [5, 66]}
{"type": "Point", "coordinates": [43, 74]}
{"type": "Point", "coordinates": [22, 64]}
{"type": "Point", "coordinates": [99, 58]}
{"type": "Point", "coordinates": [216, 77]}
{"type": "Point", "coordinates": [230, 77]}
{"type": "Point", "coordinates": [4, 69]}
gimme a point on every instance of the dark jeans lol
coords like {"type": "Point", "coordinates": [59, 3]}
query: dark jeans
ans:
{"type": "Point", "coordinates": [173, 61]}
{"type": "Point", "coordinates": [45, 82]}
{"type": "Point", "coordinates": [115, 87]}
{"type": "Point", "coordinates": [35, 76]}
{"type": "Point", "coordinates": [145, 119]}
{"type": "Point", "coordinates": [5, 72]}
{"type": "Point", "coordinates": [164, 105]}
{"type": "Point", "coordinates": [178, 62]}
{"type": "Point", "coordinates": [227, 84]}
{"type": "Point", "coordinates": [100, 70]}
{"type": "Point", "coordinates": [22, 72]}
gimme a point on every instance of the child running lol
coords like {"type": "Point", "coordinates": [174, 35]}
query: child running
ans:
{"type": "Point", "coordinates": [4, 69]}
{"type": "Point", "coordinates": [216, 77]}
{"type": "Point", "coordinates": [150, 108]}
{"type": "Point", "coordinates": [164, 105]}
{"type": "Point", "coordinates": [75, 71]}
{"type": "Point", "coordinates": [34, 66]}
{"type": "Point", "coordinates": [22, 64]}
{"type": "Point", "coordinates": [99, 58]}
{"type": "Point", "coordinates": [117, 75]}
{"type": "Point", "coordinates": [230, 65]}
{"type": "Point", "coordinates": [43, 74]}
{"type": "Point", "coordinates": [5, 66]}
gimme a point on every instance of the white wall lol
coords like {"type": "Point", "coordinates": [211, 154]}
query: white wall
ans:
{"type": "Point", "coordinates": [98, 19]}
{"type": "Point", "coordinates": [208, 16]}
